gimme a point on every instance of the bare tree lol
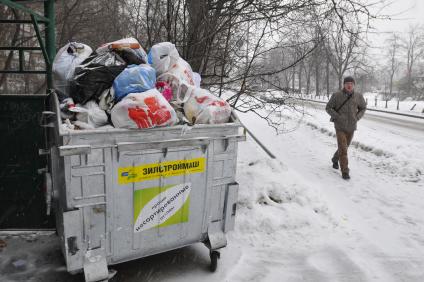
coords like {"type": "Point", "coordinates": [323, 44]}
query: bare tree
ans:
{"type": "Point", "coordinates": [393, 44]}
{"type": "Point", "coordinates": [342, 50]}
{"type": "Point", "coordinates": [318, 62]}
{"type": "Point", "coordinates": [414, 48]}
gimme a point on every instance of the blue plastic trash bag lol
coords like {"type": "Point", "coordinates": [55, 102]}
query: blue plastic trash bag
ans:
{"type": "Point", "coordinates": [134, 79]}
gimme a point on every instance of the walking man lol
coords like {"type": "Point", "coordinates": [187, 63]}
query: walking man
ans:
{"type": "Point", "coordinates": [345, 107]}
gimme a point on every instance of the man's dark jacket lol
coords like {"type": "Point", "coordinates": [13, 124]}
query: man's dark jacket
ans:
{"type": "Point", "coordinates": [349, 114]}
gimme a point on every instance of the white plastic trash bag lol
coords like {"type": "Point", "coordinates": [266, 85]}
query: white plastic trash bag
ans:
{"type": "Point", "coordinates": [202, 107]}
{"type": "Point", "coordinates": [179, 77]}
{"type": "Point", "coordinates": [66, 104]}
{"type": "Point", "coordinates": [107, 100]}
{"type": "Point", "coordinates": [182, 71]}
{"type": "Point", "coordinates": [162, 56]}
{"type": "Point", "coordinates": [197, 79]}
{"type": "Point", "coordinates": [90, 115]}
{"type": "Point", "coordinates": [143, 110]}
{"type": "Point", "coordinates": [67, 59]}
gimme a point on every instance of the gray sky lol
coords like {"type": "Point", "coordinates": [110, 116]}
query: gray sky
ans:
{"type": "Point", "coordinates": [402, 13]}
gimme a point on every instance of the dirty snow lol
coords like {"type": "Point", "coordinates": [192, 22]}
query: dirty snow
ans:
{"type": "Point", "coordinates": [297, 220]}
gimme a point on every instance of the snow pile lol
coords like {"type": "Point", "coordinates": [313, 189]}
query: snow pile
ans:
{"type": "Point", "coordinates": [269, 188]}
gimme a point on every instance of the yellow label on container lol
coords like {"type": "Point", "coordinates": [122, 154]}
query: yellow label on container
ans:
{"type": "Point", "coordinates": [145, 172]}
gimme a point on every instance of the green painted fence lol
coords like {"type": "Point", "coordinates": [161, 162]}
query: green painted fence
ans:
{"type": "Point", "coordinates": [22, 204]}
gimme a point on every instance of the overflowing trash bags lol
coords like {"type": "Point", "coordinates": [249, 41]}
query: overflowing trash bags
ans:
{"type": "Point", "coordinates": [119, 84]}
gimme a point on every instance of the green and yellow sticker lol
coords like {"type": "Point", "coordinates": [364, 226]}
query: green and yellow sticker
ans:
{"type": "Point", "coordinates": [158, 207]}
{"type": "Point", "coordinates": [152, 171]}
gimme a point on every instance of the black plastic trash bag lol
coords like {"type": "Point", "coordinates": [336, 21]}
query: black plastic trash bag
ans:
{"type": "Point", "coordinates": [128, 48]}
{"type": "Point", "coordinates": [95, 75]}
{"type": "Point", "coordinates": [130, 56]}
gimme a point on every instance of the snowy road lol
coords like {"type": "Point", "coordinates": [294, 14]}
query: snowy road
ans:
{"type": "Point", "coordinates": [297, 219]}
{"type": "Point", "coordinates": [386, 119]}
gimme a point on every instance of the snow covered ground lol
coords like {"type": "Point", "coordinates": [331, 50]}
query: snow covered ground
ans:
{"type": "Point", "coordinates": [406, 106]}
{"type": "Point", "coordinates": [297, 219]}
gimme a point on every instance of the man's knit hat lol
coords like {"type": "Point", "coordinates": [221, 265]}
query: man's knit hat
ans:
{"type": "Point", "coordinates": [348, 79]}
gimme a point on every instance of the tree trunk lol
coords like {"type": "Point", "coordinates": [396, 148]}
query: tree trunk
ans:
{"type": "Point", "coordinates": [317, 77]}
{"type": "Point", "coordinates": [327, 76]}
{"type": "Point", "coordinates": [197, 12]}
{"type": "Point", "coordinates": [300, 79]}
{"type": "Point", "coordinates": [168, 20]}
{"type": "Point", "coordinates": [224, 63]}
{"type": "Point", "coordinates": [391, 85]}
{"type": "Point", "coordinates": [148, 30]}
{"type": "Point", "coordinates": [409, 82]}
{"type": "Point", "coordinates": [340, 78]}
{"type": "Point", "coordinates": [308, 80]}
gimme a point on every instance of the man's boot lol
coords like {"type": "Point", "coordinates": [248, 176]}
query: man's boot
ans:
{"type": "Point", "coordinates": [345, 175]}
{"type": "Point", "coordinates": [335, 163]}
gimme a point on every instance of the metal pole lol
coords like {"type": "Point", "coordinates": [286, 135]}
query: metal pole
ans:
{"type": "Point", "coordinates": [50, 39]}
{"type": "Point", "coordinates": [271, 155]}
{"type": "Point", "coordinates": [397, 106]}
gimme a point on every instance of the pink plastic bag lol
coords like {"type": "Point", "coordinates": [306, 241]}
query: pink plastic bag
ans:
{"type": "Point", "coordinates": [166, 89]}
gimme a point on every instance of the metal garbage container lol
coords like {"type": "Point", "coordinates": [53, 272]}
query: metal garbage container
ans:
{"type": "Point", "coordinates": [120, 194]}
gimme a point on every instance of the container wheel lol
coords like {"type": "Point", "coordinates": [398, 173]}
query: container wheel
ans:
{"type": "Point", "coordinates": [215, 255]}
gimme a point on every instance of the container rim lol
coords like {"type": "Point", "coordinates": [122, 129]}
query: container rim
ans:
{"type": "Point", "coordinates": [62, 132]}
